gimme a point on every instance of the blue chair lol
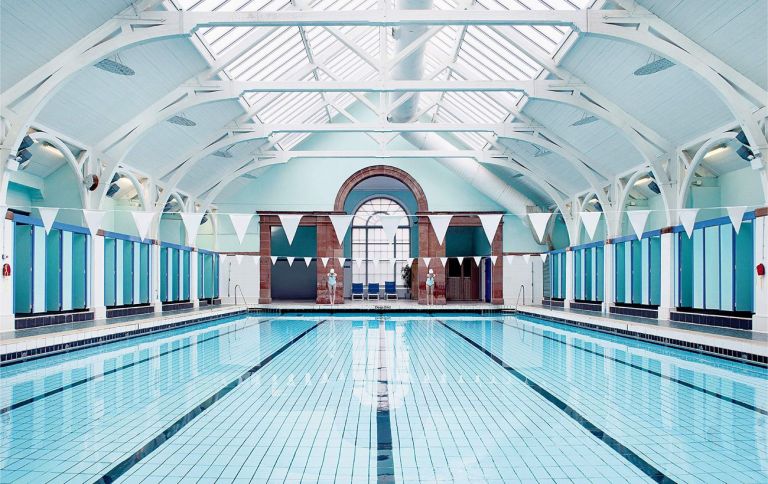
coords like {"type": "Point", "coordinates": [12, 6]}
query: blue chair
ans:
{"type": "Point", "coordinates": [357, 290]}
{"type": "Point", "coordinates": [390, 290]}
{"type": "Point", "coordinates": [373, 290]}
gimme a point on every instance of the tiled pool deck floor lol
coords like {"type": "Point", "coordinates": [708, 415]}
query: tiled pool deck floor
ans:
{"type": "Point", "coordinates": [361, 398]}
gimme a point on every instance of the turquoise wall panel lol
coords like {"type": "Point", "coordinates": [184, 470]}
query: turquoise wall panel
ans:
{"type": "Point", "coordinates": [110, 272]}
{"type": "Point", "coordinates": [163, 275]}
{"type": "Point", "coordinates": [712, 267]}
{"type": "Point", "coordinates": [127, 272]}
{"type": "Point", "coordinates": [698, 269]}
{"type": "Point", "coordinates": [23, 263]}
{"type": "Point", "coordinates": [654, 246]}
{"type": "Point", "coordinates": [79, 271]}
{"type": "Point", "coordinates": [600, 273]}
{"type": "Point", "coordinates": [744, 268]}
{"type": "Point", "coordinates": [144, 280]}
{"type": "Point", "coordinates": [621, 268]}
{"type": "Point", "coordinates": [685, 272]}
{"type": "Point", "coordinates": [39, 251]}
{"type": "Point", "coordinates": [53, 293]}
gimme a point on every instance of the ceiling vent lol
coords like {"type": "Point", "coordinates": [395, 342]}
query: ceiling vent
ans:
{"type": "Point", "coordinates": [585, 119]}
{"type": "Point", "coordinates": [655, 64]}
{"type": "Point", "coordinates": [181, 120]}
{"type": "Point", "coordinates": [115, 66]}
{"type": "Point", "coordinates": [223, 153]}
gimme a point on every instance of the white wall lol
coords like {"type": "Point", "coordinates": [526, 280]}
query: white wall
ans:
{"type": "Point", "coordinates": [246, 274]}
{"type": "Point", "coordinates": [517, 273]}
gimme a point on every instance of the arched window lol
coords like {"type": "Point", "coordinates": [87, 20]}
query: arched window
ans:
{"type": "Point", "coordinates": [370, 244]}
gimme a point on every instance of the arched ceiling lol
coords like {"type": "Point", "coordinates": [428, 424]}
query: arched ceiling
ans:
{"type": "Point", "coordinates": [287, 82]}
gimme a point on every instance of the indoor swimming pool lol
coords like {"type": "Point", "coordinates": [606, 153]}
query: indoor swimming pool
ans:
{"type": "Point", "coordinates": [401, 398]}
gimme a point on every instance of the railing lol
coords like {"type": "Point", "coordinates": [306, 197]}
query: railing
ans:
{"type": "Point", "coordinates": [519, 292]}
{"type": "Point", "coordinates": [237, 286]}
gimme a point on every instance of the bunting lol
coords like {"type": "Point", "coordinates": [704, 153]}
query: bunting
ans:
{"type": "Point", "coordinates": [307, 261]}
{"type": "Point", "coordinates": [143, 221]}
{"type": "Point", "coordinates": [590, 221]}
{"type": "Point", "coordinates": [274, 259]}
{"type": "Point", "coordinates": [443, 260]}
{"type": "Point", "coordinates": [736, 214]}
{"type": "Point", "coordinates": [490, 222]}
{"type": "Point", "coordinates": [340, 225]}
{"type": "Point", "coordinates": [341, 261]}
{"type": "Point", "coordinates": [48, 216]}
{"type": "Point", "coordinates": [192, 224]}
{"type": "Point", "coordinates": [426, 261]}
{"type": "Point", "coordinates": [290, 222]}
{"type": "Point", "coordinates": [239, 258]}
{"type": "Point", "coordinates": [325, 260]}
{"type": "Point", "coordinates": [527, 258]}
{"type": "Point", "coordinates": [290, 260]}
{"type": "Point", "coordinates": [477, 260]}
{"type": "Point", "coordinates": [493, 259]}
{"type": "Point", "coordinates": [638, 219]}
{"type": "Point", "coordinates": [390, 223]}
{"type": "Point", "coordinates": [687, 218]}
{"type": "Point", "coordinates": [543, 256]}
{"type": "Point", "coordinates": [539, 222]}
{"type": "Point", "coordinates": [240, 222]}
{"type": "Point", "coordinates": [440, 225]}
{"type": "Point", "coordinates": [93, 219]}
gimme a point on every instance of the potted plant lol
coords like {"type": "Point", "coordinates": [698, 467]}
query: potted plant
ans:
{"type": "Point", "coordinates": [405, 274]}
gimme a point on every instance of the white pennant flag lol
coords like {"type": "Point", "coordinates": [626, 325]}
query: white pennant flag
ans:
{"type": "Point", "coordinates": [341, 261]}
{"type": "Point", "coordinates": [638, 219]}
{"type": "Point", "coordinates": [490, 223]}
{"type": "Point", "coordinates": [426, 261]}
{"type": "Point", "coordinates": [384, 262]}
{"type": "Point", "coordinates": [687, 218]}
{"type": "Point", "coordinates": [359, 262]}
{"type": "Point", "coordinates": [256, 260]}
{"type": "Point", "coordinates": [509, 259]}
{"type": "Point", "coordinates": [340, 225]}
{"type": "Point", "coordinates": [93, 219]}
{"type": "Point", "coordinates": [48, 215]}
{"type": "Point", "coordinates": [325, 260]}
{"type": "Point", "coordinates": [736, 214]}
{"type": "Point", "coordinates": [443, 260]}
{"type": "Point", "coordinates": [440, 225]}
{"type": "Point", "coordinates": [539, 222]}
{"type": "Point", "coordinates": [461, 260]}
{"type": "Point", "coordinates": [307, 261]}
{"type": "Point", "coordinates": [192, 224]}
{"type": "Point", "coordinates": [240, 221]}
{"type": "Point", "coordinates": [590, 221]}
{"type": "Point", "coordinates": [477, 260]}
{"type": "Point", "coordinates": [290, 261]}
{"type": "Point", "coordinates": [239, 258]}
{"type": "Point", "coordinates": [527, 258]}
{"type": "Point", "coordinates": [274, 259]}
{"type": "Point", "coordinates": [143, 221]}
{"type": "Point", "coordinates": [290, 222]}
{"type": "Point", "coordinates": [410, 261]}
{"type": "Point", "coordinates": [493, 259]}
{"type": "Point", "coordinates": [543, 256]}
{"type": "Point", "coordinates": [389, 224]}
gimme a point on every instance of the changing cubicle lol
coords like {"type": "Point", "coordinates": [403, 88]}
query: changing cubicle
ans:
{"type": "Point", "coordinates": [588, 273]}
{"type": "Point", "coordinates": [207, 275]}
{"type": "Point", "coordinates": [174, 273]}
{"type": "Point", "coordinates": [557, 270]}
{"type": "Point", "coordinates": [126, 270]}
{"type": "Point", "coordinates": [638, 269]}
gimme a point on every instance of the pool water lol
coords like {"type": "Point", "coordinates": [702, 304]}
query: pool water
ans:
{"type": "Point", "coordinates": [394, 399]}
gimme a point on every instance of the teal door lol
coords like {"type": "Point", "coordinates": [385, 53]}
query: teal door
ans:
{"type": "Point", "coordinates": [163, 274]}
{"type": "Point", "coordinates": [23, 249]}
{"type": "Point", "coordinates": [127, 271]}
{"type": "Point", "coordinates": [110, 272]}
{"type": "Point", "coordinates": [185, 270]}
{"type": "Point", "coordinates": [174, 258]}
{"type": "Point", "coordinates": [144, 273]}
{"type": "Point", "coordinates": [79, 271]}
{"type": "Point", "coordinates": [53, 270]}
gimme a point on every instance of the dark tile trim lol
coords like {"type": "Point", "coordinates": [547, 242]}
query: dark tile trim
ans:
{"type": "Point", "coordinates": [587, 306]}
{"type": "Point", "coordinates": [748, 358]}
{"type": "Point", "coordinates": [122, 467]}
{"type": "Point", "coordinates": [177, 305]}
{"type": "Point", "coordinates": [33, 354]}
{"type": "Point", "coordinates": [711, 320]}
{"type": "Point", "coordinates": [646, 467]}
{"type": "Point", "coordinates": [37, 321]}
{"type": "Point", "coordinates": [129, 311]}
{"type": "Point", "coordinates": [634, 311]}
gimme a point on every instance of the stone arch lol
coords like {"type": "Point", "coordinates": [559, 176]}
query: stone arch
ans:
{"type": "Point", "coordinates": [381, 170]}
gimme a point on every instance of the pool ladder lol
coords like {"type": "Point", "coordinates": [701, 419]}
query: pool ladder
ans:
{"type": "Point", "coordinates": [237, 286]}
{"type": "Point", "coordinates": [517, 301]}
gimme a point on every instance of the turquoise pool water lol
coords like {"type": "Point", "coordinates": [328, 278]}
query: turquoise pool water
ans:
{"type": "Point", "coordinates": [396, 399]}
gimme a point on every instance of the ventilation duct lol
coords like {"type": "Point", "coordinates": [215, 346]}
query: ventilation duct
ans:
{"type": "Point", "coordinates": [412, 68]}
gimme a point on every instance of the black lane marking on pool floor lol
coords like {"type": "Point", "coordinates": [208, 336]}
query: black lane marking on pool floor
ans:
{"type": "Point", "coordinates": [122, 467]}
{"type": "Point", "coordinates": [645, 466]}
{"type": "Point", "coordinates": [748, 406]}
{"type": "Point", "coordinates": [77, 383]}
{"type": "Point", "coordinates": [385, 464]}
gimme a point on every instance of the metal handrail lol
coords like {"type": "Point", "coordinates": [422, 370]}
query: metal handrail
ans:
{"type": "Point", "coordinates": [520, 291]}
{"type": "Point", "coordinates": [237, 286]}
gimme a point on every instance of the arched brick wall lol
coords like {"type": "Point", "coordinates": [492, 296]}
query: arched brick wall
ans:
{"type": "Point", "coordinates": [380, 170]}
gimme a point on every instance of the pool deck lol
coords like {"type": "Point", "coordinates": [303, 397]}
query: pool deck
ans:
{"type": "Point", "coordinates": [24, 344]}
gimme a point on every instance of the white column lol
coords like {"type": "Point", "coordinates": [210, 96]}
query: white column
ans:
{"type": "Point", "coordinates": [760, 318]}
{"type": "Point", "coordinates": [609, 276]}
{"type": "Point", "coordinates": [97, 277]}
{"type": "Point", "coordinates": [667, 301]}
{"type": "Point", "coordinates": [38, 270]}
{"type": "Point", "coordinates": [66, 270]}
{"type": "Point", "coordinates": [6, 283]}
{"type": "Point", "coordinates": [193, 279]}
{"type": "Point", "coordinates": [154, 282]}
{"type": "Point", "coordinates": [568, 278]}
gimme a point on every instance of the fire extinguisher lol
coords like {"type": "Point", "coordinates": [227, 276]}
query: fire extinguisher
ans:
{"type": "Point", "coordinates": [760, 269]}
{"type": "Point", "coordinates": [6, 269]}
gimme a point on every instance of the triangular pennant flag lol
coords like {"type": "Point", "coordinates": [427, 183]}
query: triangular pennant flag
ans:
{"type": "Point", "coordinates": [240, 221]}
{"type": "Point", "coordinates": [192, 224]}
{"type": "Point", "coordinates": [307, 261]}
{"type": "Point", "coordinates": [274, 259]}
{"type": "Point", "coordinates": [239, 258]}
{"type": "Point", "coordinates": [143, 221]}
{"type": "Point", "coordinates": [638, 219]}
{"type": "Point", "coordinates": [687, 218]}
{"type": "Point", "coordinates": [93, 219]}
{"type": "Point", "coordinates": [477, 260]}
{"type": "Point", "coordinates": [539, 222]}
{"type": "Point", "coordinates": [440, 225]}
{"type": "Point", "coordinates": [325, 260]}
{"type": "Point", "coordinates": [509, 259]}
{"type": "Point", "coordinates": [359, 262]}
{"type": "Point", "coordinates": [426, 261]}
{"type": "Point", "coordinates": [341, 261]}
{"type": "Point", "coordinates": [490, 223]}
{"type": "Point", "coordinates": [256, 260]}
{"type": "Point", "coordinates": [527, 258]}
{"type": "Point", "coordinates": [290, 223]}
{"type": "Point", "coordinates": [736, 214]}
{"type": "Point", "coordinates": [290, 261]}
{"type": "Point", "coordinates": [493, 259]}
{"type": "Point", "coordinates": [48, 215]}
{"type": "Point", "coordinates": [389, 224]}
{"type": "Point", "coordinates": [410, 261]}
{"type": "Point", "coordinates": [543, 256]}
{"type": "Point", "coordinates": [340, 225]}
{"type": "Point", "coordinates": [461, 260]}
{"type": "Point", "coordinates": [443, 260]}
{"type": "Point", "coordinates": [590, 221]}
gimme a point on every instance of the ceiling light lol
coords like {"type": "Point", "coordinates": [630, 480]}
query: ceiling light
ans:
{"type": "Point", "coordinates": [541, 152]}
{"type": "Point", "coordinates": [223, 153]}
{"type": "Point", "coordinates": [716, 151]}
{"type": "Point", "coordinates": [585, 119]}
{"type": "Point", "coordinates": [642, 181]}
{"type": "Point", "coordinates": [52, 150]}
{"type": "Point", "coordinates": [655, 64]}
{"type": "Point", "coordinates": [115, 66]}
{"type": "Point", "coordinates": [181, 120]}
